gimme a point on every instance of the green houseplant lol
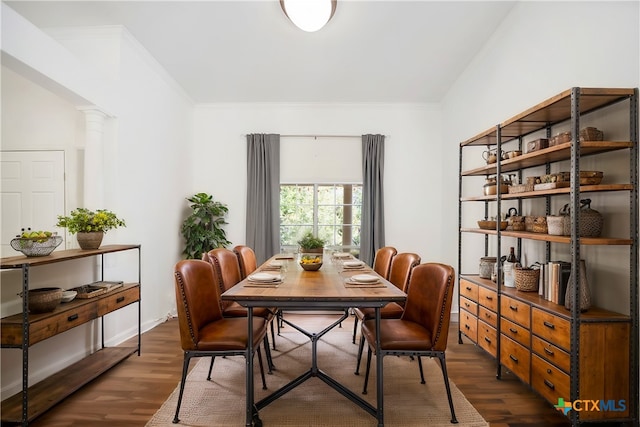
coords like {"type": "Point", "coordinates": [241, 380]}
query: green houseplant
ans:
{"type": "Point", "coordinates": [203, 228]}
{"type": "Point", "coordinates": [311, 243]}
{"type": "Point", "coordinates": [89, 225]}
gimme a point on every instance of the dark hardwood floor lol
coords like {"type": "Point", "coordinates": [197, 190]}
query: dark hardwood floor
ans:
{"type": "Point", "coordinates": [130, 393]}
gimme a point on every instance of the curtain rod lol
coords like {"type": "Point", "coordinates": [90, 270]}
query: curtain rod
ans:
{"type": "Point", "coordinates": [322, 136]}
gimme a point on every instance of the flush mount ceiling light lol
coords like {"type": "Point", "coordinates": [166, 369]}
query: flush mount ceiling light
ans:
{"type": "Point", "coordinates": [309, 15]}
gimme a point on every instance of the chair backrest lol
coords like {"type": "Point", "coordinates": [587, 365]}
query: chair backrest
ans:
{"type": "Point", "coordinates": [247, 259]}
{"type": "Point", "coordinates": [401, 266]}
{"type": "Point", "coordinates": [429, 300]}
{"type": "Point", "coordinates": [226, 270]}
{"type": "Point", "coordinates": [195, 291]}
{"type": "Point", "coordinates": [382, 260]}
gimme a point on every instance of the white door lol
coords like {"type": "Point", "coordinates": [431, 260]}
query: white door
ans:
{"type": "Point", "coordinates": [32, 193]}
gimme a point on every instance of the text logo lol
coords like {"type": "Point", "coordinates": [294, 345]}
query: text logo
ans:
{"type": "Point", "coordinates": [585, 405]}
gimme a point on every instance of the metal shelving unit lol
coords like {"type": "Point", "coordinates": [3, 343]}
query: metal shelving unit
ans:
{"type": "Point", "coordinates": [567, 107]}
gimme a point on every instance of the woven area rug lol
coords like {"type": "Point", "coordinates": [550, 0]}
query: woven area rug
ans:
{"type": "Point", "coordinates": [221, 401]}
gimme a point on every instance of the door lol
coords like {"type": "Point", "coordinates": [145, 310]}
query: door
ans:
{"type": "Point", "coordinates": [32, 193]}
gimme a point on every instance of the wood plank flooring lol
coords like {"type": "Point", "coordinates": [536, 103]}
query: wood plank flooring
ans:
{"type": "Point", "coordinates": [131, 392]}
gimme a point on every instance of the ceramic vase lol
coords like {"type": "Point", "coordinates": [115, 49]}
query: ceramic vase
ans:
{"type": "Point", "coordinates": [90, 240]}
{"type": "Point", "coordinates": [584, 293]}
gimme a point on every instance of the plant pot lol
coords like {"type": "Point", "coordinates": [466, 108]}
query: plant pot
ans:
{"type": "Point", "coordinates": [91, 240]}
{"type": "Point", "coordinates": [312, 251]}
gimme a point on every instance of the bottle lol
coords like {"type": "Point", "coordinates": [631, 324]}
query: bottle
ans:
{"type": "Point", "coordinates": [508, 269]}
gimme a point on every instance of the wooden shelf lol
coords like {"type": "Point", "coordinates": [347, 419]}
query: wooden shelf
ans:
{"type": "Point", "coordinates": [555, 191]}
{"type": "Point", "coordinates": [59, 256]}
{"type": "Point", "coordinates": [52, 390]}
{"type": "Point", "coordinates": [552, 154]}
{"type": "Point", "coordinates": [611, 241]}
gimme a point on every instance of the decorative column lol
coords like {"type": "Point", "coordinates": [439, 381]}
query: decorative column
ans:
{"type": "Point", "coordinates": [93, 197]}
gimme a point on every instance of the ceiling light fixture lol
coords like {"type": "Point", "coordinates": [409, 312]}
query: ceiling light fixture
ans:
{"type": "Point", "coordinates": [309, 15]}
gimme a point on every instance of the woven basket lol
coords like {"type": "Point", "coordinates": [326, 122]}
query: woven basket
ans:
{"type": "Point", "coordinates": [527, 279]}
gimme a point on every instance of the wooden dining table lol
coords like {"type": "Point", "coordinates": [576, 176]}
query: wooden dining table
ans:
{"type": "Point", "coordinates": [326, 289]}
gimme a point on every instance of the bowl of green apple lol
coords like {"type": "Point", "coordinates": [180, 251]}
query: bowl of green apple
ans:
{"type": "Point", "coordinates": [36, 243]}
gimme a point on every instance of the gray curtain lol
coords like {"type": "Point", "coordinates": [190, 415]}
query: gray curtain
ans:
{"type": "Point", "coordinates": [372, 231]}
{"type": "Point", "coordinates": [263, 195]}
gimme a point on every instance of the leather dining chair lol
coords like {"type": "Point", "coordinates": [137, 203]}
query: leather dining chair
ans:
{"type": "Point", "coordinates": [424, 326]}
{"type": "Point", "coordinates": [204, 332]}
{"type": "Point", "coordinates": [247, 258]}
{"type": "Point", "coordinates": [399, 275]}
{"type": "Point", "coordinates": [382, 260]}
{"type": "Point", "coordinates": [227, 274]}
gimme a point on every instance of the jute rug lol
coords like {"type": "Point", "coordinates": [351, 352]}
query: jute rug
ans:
{"type": "Point", "coordinates": [221, 401]}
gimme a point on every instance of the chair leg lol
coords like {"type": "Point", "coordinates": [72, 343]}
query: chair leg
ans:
{"type": "Point", "coordinates": [185, 369]}
{"type": "Point", "coordinates": [264, 382]}
{"type": "Point", "coordinates": [360, 348]}
{"type": "Point", "coordinates": [443, 366]}
{"type": "Point", "coordinates": [273, 334]}
{"type": "Point", "coordinates": [267, 351]}
{"type": "Point", "coordinates": [355, 328]}
{"type": "Point", "coordinates": [366, 375]}
{"type": "Point", "coordinates": [421, 372]}
{"type": "Point", "coordinates": [213, 358]}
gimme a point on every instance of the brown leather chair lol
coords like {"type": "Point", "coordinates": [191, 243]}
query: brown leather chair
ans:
{"type": "Point", "coordinates": [247, 258]}
{"type": "Point", "coordinates": [382, 260]}
{"type": "Point", "coordinates": [204, 332]}
{"type": "Point", "coordinates": [424, 326]}
{"type": "Point", "coordinates": [399, 274]}
{"type": "Point", "coordinates": [227, 274]}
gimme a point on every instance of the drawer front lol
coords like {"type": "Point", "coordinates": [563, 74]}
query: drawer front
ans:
{"type": "Point", "coordinates": [551, 353]}
{"type": "Point", "coordinates": [548, 380]}
{"type": "Point", "coordinates": [469, 290]}
{"type": "Point", "coordinates": [469, 325]}
{"type": "Point", "coordinates": [469, 305]}
{"type": "Point", "coordinates": [515, 332]}
{"type": "Point", "coordinates": [68, 319]}
{"type": "Point", "coordinates": [118, 300]}
{"type": "Point", "coordinates": [488, 316]}
{"type": "Point", "coordinates": [488, 338]}
{"type": "Point", "coordinates": [516, 311]}
{"type": "Point", "coordinates": [552, 328]}
{"type": "Point", "coordinates": [515, 357]}
{"type": "Point", "coordinates": [488, 298]}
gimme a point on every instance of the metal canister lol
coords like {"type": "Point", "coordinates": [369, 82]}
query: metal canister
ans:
{"type": "Point", "coordinates": [487, 264]}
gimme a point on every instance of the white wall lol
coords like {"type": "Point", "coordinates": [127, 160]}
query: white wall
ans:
{"type": "Point", "coordinates": [147, 169]}
{"type": "Point", "coordinates": [413, 165]}
{"type": "Point", "coordinates": [541, 49]}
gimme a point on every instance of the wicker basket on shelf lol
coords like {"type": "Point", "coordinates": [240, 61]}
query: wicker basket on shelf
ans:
{"type": "Point", "coordinates": [527, 279]}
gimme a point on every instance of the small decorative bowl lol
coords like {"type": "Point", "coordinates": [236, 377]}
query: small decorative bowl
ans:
{"type": "Point", "coordinates": [68, 296]}
{"type": "Point", "coordinates": [36, 246]}
{"type": "Point", "coordinates": [491, 225]}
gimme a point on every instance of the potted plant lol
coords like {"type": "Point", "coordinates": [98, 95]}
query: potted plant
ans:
{"type": "Point", "coordinates": [90, 226]}
{"type": "Point", "coordinates": [311, 244]}
{"type": "Point", "coordinates": [203, 228]}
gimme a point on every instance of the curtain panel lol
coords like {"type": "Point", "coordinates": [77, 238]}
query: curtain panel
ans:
{"type": "Point", "coordinates": [372, 231]}
{"type": "Point", "coordinates": [263, 195]}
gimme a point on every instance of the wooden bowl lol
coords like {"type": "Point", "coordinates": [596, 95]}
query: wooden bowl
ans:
{"type": "Point", "coordinates": [311, 267]}
{"type": "Point", "coordinates": [44, 300]}
{"type": "Point", "coordinates": [491, 225]}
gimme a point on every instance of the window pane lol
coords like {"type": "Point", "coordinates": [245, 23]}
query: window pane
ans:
{"type": "Point", "coordinates": [327, 215]}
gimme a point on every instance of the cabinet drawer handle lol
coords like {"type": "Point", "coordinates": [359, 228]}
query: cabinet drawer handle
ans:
{"type": "Point", "coordinates": [467, 327]}
{"type": "Point", "coordinates": [512, 357]}
{"type": "Point", "coordinates": [487, 340]}
{"type": "Point", "coordinates": [549, 352]}
{"type": "Point", "coordinates": [120, 299]}
{"type": "Point", "coordinates": [549, 384]}
{"type": "Point", "coordinates": [468, 288]}
{"type": "Point", "coordinates": [513, 307]}
{"type": "Point", "coordinates": [490, 298]}
{"type": "Point", "coordinates": [72, 317]}
{"type": "Point", "coordinates": [549, 325]}
{"type": "Point", "coordinates": [513, 331]}
{"type": "Point", "coordinates": [487, 315]}
{"type": "Point", "coordinates": [467, 304]}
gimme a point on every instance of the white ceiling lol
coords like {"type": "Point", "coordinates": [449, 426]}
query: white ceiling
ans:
{"type": "Point", "coordinates": [248, 51]}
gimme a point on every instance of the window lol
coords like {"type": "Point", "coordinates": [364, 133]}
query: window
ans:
{"type": "Point", "coordinates": [330, 211]}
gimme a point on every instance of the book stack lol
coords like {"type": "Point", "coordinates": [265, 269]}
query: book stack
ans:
{"type": "Point", "coordinates": [554, 277]}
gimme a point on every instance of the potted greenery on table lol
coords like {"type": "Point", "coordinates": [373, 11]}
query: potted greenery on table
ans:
{"type": "Point", "coordinates": [90, 226]}
{"type": "Point", "coordinates": [311, 244]}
